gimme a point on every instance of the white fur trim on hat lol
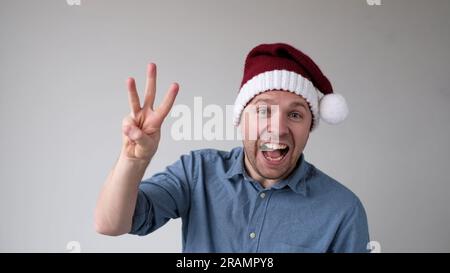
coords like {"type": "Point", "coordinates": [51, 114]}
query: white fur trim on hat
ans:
{"type": "Point", "coordinates": [277, 80]}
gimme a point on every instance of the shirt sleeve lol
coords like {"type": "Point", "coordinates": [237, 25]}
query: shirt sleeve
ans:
{"type": "Point", "coordinates": [353, 233]}
{"type": "Point", "coordinates": [164, 196]}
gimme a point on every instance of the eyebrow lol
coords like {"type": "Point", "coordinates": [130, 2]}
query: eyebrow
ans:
{"type": "Point", "coordinates": [296, 103]}
{"type": "Point", "coordinates": [264, 100]}
{"type": "Point", "coordinates": [292, 104]}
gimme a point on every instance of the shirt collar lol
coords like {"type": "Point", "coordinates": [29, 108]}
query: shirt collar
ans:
{"type": "Point", "coordinates": [296, 180]}
{"type": "Point", "coordinates": [238, 165]}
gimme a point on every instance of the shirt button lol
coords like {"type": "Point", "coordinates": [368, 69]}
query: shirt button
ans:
{"type": "Point", "coordinates": [262, 195]}
{"type": "Point", "coordinates": [252, 235]}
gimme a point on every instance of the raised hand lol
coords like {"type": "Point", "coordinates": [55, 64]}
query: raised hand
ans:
{"type": "Point", "coordinates": [141, 128]}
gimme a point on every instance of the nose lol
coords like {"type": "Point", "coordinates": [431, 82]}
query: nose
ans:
{"type": "Point", "coordinates": [277, 124]}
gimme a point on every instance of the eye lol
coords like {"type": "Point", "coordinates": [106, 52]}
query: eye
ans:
{"type": "Point", "coordinates": [262, 110]}
{"type": "Point", "coordinates": [295, 116]}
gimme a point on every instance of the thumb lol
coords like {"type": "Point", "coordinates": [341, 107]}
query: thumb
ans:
{"type": "Point", "coordinates": [135, 134]}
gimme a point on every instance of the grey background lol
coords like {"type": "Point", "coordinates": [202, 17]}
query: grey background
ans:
{"type": "Point", "coordinates": [63, 96]}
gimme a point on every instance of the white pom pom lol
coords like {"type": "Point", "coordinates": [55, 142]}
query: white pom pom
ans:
{"type": "Point", "coordinates": [333, 108]}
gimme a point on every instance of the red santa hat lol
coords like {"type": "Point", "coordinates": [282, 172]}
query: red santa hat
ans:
{"type": "Point", "coordinates": [282, 67]}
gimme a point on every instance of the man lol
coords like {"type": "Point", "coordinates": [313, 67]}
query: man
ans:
{"type": "Point", "coordinates": [262, 197]}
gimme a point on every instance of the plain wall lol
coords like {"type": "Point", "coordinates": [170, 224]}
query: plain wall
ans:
{"type": "Point", "coordinates": [63, 96]}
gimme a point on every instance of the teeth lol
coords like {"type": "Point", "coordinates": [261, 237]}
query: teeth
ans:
{"type": "Point", "coordinates": [272, 146]}
{"type": "Point", "coordinates": [274, 159]}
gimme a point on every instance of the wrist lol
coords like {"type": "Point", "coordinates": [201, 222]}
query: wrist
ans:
{"type": "Point", "coordinates": [133, 162]}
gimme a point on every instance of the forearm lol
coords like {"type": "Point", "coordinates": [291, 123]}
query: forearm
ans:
{"type": "Point", "coordinates": [117, 200]}
{"type": "Point", "coordinates": [140, 139]}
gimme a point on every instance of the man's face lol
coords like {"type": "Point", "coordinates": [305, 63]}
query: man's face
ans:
{"type": "Point", "coordinates": [275, 127]}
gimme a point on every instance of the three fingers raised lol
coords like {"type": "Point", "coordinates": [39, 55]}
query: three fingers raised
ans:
{"type": "Point", "coordinates": [150, 93]}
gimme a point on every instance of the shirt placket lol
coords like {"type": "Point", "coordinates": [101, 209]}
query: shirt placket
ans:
{"type": "Point", "coordinates": [257, 220]}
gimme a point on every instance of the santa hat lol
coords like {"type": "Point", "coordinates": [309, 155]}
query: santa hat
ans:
{"type": "Point", "coordinates": [283, 67]}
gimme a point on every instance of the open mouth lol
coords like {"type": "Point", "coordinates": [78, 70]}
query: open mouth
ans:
{"type": "Point", "coordinates": [274, 152]}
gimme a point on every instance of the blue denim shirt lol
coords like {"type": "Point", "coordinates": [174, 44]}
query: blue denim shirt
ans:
{"type": "Point", "coordinates": [224, 210]}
